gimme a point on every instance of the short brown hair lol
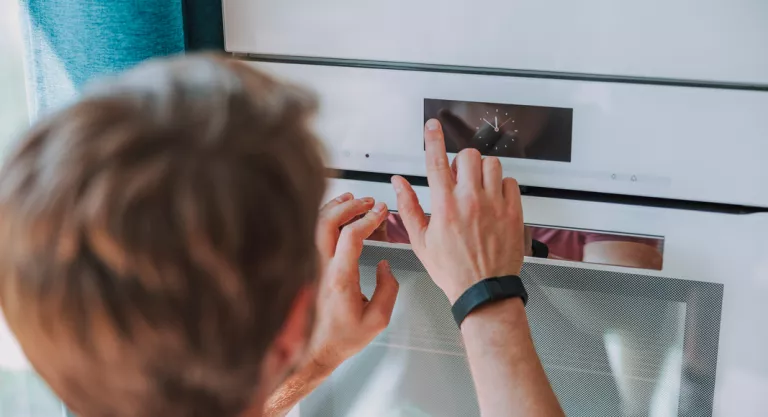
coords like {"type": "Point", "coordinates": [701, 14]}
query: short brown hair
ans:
{"type": "Point", "coordinates": [156, 233]}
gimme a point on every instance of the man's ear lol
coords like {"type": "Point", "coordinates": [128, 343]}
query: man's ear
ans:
{"type": "Point", "coordinates": [291, 342]}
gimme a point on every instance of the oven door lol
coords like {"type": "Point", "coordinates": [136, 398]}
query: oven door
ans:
{"type": "Point", "coordinates": [671, 338]}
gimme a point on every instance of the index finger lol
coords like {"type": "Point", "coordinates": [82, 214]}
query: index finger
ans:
{"type": "Point", "coordinates": [438, 168]}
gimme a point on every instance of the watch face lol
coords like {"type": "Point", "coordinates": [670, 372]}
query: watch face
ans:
{"type": "Point", "coordinates": [505, 130]}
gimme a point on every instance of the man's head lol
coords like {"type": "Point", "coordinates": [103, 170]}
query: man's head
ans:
{"type": "Point", "coordinates": [158, 236]}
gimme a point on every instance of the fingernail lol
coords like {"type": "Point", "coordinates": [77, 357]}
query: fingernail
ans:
{"type": "Point", "coordinates": [386, 266]}
{"type": "Point", "coordinates": [344, 197]}
{"type": "Point", "coordinates": [397, 184]}
{"type": "Point", "coordinates": [379, 207]}
{"type": "Point", "coordinates": [367, 200]}
{"type": "Point", "coordinates": [433, 124]}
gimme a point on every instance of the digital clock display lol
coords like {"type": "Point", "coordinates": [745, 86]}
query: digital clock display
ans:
{"type": "Point", "coordinates": [504, 130]}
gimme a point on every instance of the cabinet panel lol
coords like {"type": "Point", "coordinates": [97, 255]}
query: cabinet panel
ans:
{"type": "Point", "coordinates": [714, 40]}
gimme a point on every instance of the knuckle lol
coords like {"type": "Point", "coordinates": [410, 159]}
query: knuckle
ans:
{"type": "Point", "coordinates": [433, 136]}
{"type": "Point", "coordinates": [339, 286]}
{"type": "Point", "coordinates": [499, 207]}
{"type": "Point", "coordinates": [350, 207]}
{"type": "Point", "coordinates": [372, 219]}
{"type": "Point", "coordinates": [448, 217]}
{"type": "Point", "coordinates": [469, 196]}
{"type": "Point", "coordinates": [473, 206]}
{"type": "Point", "coordinates": [379, 319]}
{"type": "Point", "coordinates": [334, 212]}
{"type": "Point", "coordinates": [470, 202]}
{"type": "Point", "coordinates": [390, 284]}
{"type": "Point", "coordinates": [469, 153]}
{"type": "Point", "coordinates": [329, 204]}
{"type": "Point", "coordinates": [449, 212]}
{"type": "Point", "coordinates": [350, 233]}
{"type": "Point", "coordinates": [492, 163]}
{"type": "Point", "coordinates": [506, 215]}
{"type": "Point", "coordinates": [439, 163]}
{"type": "Point", "coordinates": [513, 214]}
{"type": "Point", "coordinates": [407, 208]}
{"type": "Point", "coordinates": [325, 213]}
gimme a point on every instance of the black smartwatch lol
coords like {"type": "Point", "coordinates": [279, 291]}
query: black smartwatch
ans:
{"type": "Point", "coordinates": [487, 291]}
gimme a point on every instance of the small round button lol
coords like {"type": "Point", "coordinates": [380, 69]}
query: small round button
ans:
{"type": "Point", "coordinates": [634, 178]}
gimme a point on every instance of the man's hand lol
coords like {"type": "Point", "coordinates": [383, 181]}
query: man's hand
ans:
{"type": "Point", "coordinates": [476, 229]}
{"type": "Point", "coordinates": [346, 320]}
{"type": "Point", "coordinates": [476, 232]}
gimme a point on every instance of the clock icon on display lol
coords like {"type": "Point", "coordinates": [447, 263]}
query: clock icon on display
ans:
{"type": "Point", "coordinates": [495, 124]}
{"type": "Point", "coordinates": [504, 129]}
{"type": "Point", "coordinates": [495, 132]}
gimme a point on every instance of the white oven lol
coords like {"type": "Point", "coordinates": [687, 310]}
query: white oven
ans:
{"type": "Point", "coordinates": [639, 131]}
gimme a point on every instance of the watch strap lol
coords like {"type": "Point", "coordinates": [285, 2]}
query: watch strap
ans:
{"type": "Point", "coordinates": [487, 291]}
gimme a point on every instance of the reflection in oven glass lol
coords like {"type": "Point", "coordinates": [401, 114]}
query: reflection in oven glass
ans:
{"type": "Point", "coordinates": [631, 348]}
{"type": "Point", "coordinates": [606, 248]}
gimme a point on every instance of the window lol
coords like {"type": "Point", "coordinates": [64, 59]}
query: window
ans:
{"type": "Point", "coordinates": [22, 392]}
{"type": "Point", "coordinates": [13, 101]}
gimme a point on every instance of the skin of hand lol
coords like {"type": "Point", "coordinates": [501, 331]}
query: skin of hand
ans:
{"type": "Point", "coordinates": [476, 232]}
{"type": "Point", "coordinates": [380, 234]}
{"type": "Point", "coordinates": [476, 227]}
{"type": "Point", "coordinates": [346, 320]}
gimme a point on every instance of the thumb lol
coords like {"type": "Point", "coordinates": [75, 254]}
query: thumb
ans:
{"type": "Point", "coordinates": [410, 210]}
{"type": "Point", "coordinates": [379, 309]}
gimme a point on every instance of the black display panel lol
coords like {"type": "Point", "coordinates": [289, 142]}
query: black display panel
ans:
{"type": "Point", "coordinates": [504, 130]}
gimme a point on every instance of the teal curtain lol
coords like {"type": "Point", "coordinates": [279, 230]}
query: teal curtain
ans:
{"type": "Point", "coordinates": [203, 25]}
{"type": "Point", "coordinates": [69, 42]}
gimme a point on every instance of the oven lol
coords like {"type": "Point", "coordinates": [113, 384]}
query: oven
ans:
{"type": "Point", "coordinates": [637, 131]}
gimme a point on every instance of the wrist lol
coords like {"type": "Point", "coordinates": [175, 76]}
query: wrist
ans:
{"type": "Point", "coordinates": [317, 368]}
{"type": "Point", "coordinates": [307, 376]}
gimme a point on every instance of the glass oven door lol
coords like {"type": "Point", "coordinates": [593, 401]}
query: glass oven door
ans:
{"type": "Point", "coordinates": [613, 344]}
{"type": "Point", "coordinates": [671, 340]}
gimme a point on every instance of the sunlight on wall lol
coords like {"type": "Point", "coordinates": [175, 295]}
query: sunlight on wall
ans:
{"type": "Point", "coordinates": [13, 101]}
{"type": "Point", "coordinates": [22, 392]}
{"type": "Point", "coordinates": [13, 119]}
